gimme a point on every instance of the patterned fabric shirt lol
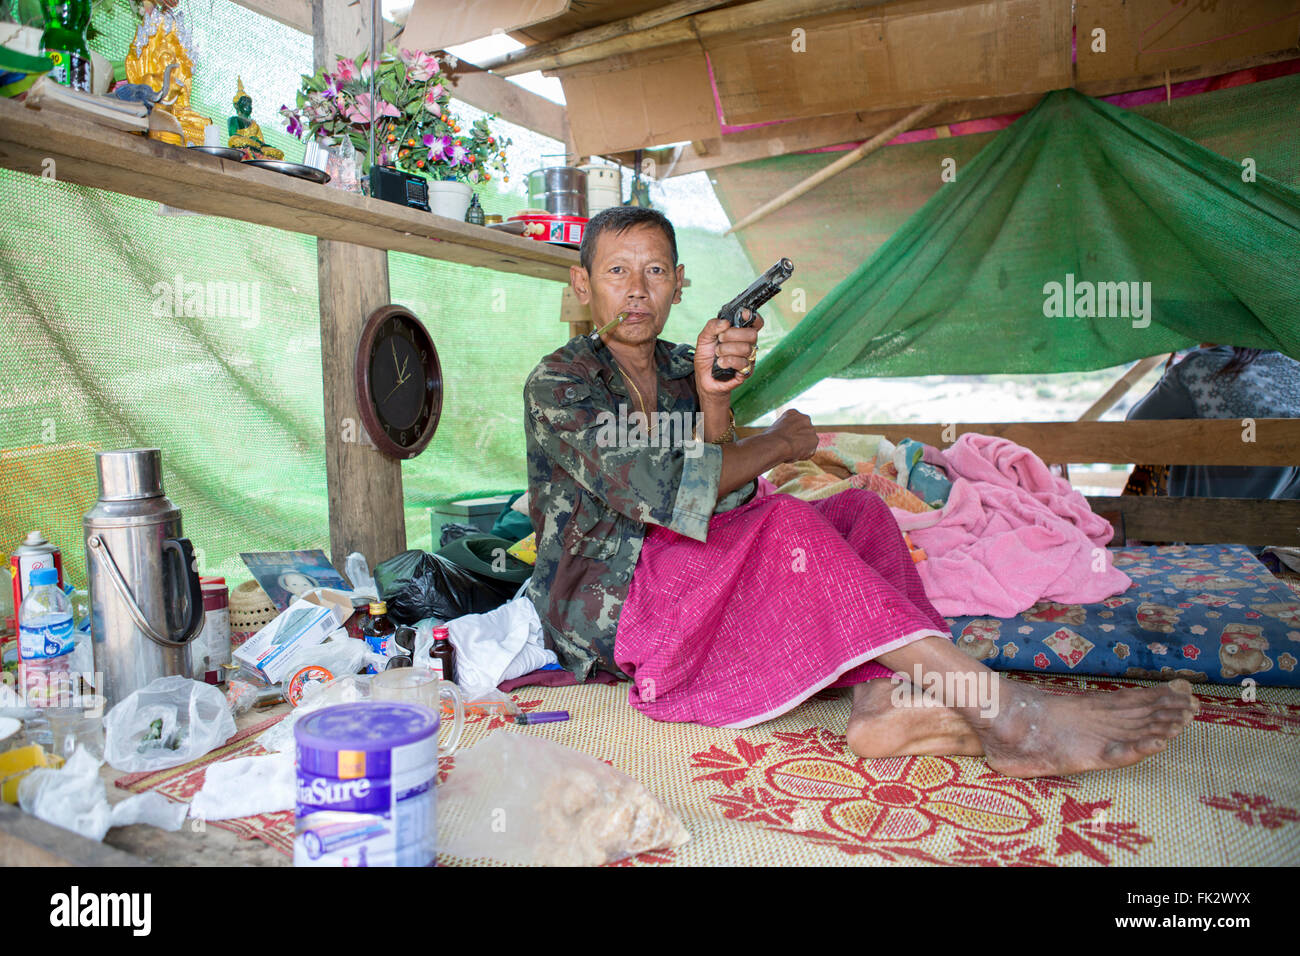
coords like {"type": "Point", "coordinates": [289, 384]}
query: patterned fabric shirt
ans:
{"type": "Point", "coordinates": [1268, 387]}
{"type": "Point", "coordinates": [595, 480]}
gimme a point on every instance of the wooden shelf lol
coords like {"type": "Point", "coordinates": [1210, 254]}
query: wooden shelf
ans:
{"type": "Point", "coordinates": [88, 154]}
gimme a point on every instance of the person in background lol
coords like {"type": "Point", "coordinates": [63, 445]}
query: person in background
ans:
{"type": "Point", "coordinates": [1223, 381]}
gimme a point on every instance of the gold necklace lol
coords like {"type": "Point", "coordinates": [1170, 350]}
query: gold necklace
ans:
{"type": "Point", "coordinates": [639, 399]}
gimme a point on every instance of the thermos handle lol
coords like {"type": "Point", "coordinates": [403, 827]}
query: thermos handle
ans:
{"type": "Point", "coordinates": [184, 552]}
{"type": "Point", "coordinates": [97, 544]}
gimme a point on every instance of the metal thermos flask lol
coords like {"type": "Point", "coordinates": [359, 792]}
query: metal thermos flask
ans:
{"type": "Point", "coordinates": [146, 602]}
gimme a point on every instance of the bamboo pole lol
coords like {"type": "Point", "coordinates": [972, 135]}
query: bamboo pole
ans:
{"type": "Point", "coordinates": [695, 27]}
{"type": "Point", "coordinates": [606, 31]}
{"type": "Point", "coordinates": [1117, 391]}
{"type": "Point", "coordinates": [841, 164]}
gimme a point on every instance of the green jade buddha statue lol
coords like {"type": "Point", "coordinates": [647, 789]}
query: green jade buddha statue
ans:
{"type": "Point", "coordinates": [245, 133]}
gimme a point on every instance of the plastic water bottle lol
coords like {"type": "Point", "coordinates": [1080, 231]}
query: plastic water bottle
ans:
{"type": "Point", "coordinates": [46, 639]}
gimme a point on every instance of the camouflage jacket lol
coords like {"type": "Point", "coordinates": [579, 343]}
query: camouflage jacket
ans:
{"type": "Point", "coordinates": [595, 481]}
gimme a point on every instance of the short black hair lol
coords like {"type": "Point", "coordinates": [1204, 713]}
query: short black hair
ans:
{"type": "Point", "coordinates": [620, 219]}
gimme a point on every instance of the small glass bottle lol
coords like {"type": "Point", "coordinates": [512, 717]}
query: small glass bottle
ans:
{"type": "Point", "coordinates": [474, 215]}
{"type": "Point", "coordinates": [443, 655]}
{"type": "Point", "coordinates": [377, 629]}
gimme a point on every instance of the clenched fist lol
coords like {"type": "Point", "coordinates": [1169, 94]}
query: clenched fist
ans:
{"type": "Point", "coordinates": [796, 430]}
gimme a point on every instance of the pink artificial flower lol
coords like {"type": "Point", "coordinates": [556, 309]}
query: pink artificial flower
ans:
{"type": "Point", "coordinates": [360, 112]}
{"type": "Point", "coordinates": [459, 155]}
{"type": "Point", "coordinates": [422, 67]}
{"type": "Point", "coordinates": [346, 71]}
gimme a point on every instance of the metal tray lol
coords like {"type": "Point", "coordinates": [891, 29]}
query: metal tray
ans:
{"type": "Point", "coordinates": [223, 152]}
{"type": "Point", "coordinates": [310, 173]}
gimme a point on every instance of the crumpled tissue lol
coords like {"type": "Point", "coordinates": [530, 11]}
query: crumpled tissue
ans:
{"type": "Point", "coordinates": [75, 798]}
{"type": "Point", "coordinates": [245, 787]}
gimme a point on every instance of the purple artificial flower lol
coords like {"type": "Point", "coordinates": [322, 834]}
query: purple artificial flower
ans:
{"type": "Point", "coordinates": [295, 124]}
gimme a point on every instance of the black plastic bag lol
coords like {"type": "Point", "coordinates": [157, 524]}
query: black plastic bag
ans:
{"type": "Point", "coordinates": [454, 531]}
{"type": "Point", "coordinates": [416, 585]}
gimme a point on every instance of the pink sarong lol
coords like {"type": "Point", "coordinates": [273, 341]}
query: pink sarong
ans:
{"type": "Point", "coordinates": [785, 598]}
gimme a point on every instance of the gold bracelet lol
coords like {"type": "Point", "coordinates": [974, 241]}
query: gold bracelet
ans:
{"type": "Point", "coordinates": [728, 435]}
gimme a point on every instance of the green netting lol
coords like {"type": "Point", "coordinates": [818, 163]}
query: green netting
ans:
{"type": "Point", "coordinates": [95, 357]}
{"type": "Point", "coordinates": [1080, 193]}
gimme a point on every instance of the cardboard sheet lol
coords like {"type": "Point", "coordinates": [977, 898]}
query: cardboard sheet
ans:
{"type": "Point", "coordinates": [647, 99]}
{"type": "Point", "coordinates": [899, 55]}
{"type": "Point", "coordinates": [1150, 36]}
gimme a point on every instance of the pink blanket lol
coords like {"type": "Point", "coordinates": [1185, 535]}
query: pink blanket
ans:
{"type": "Point", "coordinates": [1011, 534]}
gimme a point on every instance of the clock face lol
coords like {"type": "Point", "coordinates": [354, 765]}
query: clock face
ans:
{"type": "Point", "coordinates": [400, 382]}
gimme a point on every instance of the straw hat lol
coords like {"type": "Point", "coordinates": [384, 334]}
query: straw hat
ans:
{"type": "Point", "coordinates": [250, 611]}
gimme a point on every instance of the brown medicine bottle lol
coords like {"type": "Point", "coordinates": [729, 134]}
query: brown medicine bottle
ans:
{"type": "Point", "coordinates": [443, 654]}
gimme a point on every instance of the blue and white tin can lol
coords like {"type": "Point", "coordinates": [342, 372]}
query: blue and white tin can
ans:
{"type": "Point", "coordinates": [367, 792]}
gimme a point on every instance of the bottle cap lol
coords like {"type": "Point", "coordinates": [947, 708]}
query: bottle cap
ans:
{"type": "Point", "coordinates": [42, 576]}
{"type": "Point", "coordinates": [440, 633]}
{"type": "Point", "coordinates": [378, 607]}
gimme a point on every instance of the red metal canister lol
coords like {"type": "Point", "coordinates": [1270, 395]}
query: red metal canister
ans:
{"type": "Point", "coordinates": [35, 552]}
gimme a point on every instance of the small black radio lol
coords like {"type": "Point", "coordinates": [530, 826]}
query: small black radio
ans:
{"type": "Point", "coordinates": [393, 185]}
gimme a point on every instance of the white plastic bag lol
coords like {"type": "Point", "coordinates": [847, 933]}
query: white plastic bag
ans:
{"type": "Point", "coordinates": [74, 797]}
{"type": "Point", "coordinates": [358, 572]}
{"type": "Point", "coordinates": [171, 721]}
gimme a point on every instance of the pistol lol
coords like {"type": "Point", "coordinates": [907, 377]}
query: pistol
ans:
{"type": "Point", "coordinates": [755, 297]}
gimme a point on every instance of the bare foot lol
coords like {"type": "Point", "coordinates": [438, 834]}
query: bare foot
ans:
{"type": "Point", "coordinates": [880, 727]}
{"type": "Point", "coordinates": [1036, 734]}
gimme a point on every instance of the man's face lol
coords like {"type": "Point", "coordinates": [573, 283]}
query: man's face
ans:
{"type": "Point", "coordinates": [631, 272]}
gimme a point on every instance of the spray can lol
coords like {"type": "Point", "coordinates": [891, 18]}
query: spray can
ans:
{"type": "Point", "coordinates": [35, 552]}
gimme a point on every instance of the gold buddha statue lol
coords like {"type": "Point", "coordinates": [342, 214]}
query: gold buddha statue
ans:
{"type": "Point", "coordinates": [157, 44]}
{"type": "Point", "coordinates": [244, 131]}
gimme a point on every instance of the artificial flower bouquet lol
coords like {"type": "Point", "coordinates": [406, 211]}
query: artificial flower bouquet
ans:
{"type": "Point", "coordinates": [415, 129]}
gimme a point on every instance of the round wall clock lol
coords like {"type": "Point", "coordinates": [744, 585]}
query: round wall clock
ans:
{"type": "Point", "coordinates": [399, 382]}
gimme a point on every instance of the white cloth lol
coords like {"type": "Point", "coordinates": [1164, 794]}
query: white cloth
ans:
{"type": "Point", "coordinates": [500, 645]}
{"type": "Point", "coordinates": [245, 787]}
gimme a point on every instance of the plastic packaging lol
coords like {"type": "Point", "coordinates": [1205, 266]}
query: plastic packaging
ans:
{"type": "Point", "coordinates": [416, 585]}
{"type": "Point", "coordinates": [341, 690]}
{"type": "Point", "coordinates": [339, 656]}
{"type": "Point", "coordinates": [46, 640]}
{"type": "Point", "coordinates": [166, 723]}
{"type": "Point", "coordinates": [75, 798]}
{"type": "Point", "coordinates": [516, 798]}
{"type": "Point", "coordinates": [358, 572]}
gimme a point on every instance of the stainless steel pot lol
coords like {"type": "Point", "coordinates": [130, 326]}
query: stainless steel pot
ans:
{"type": "Point", "coordinates": [146, 602]}
{"type": "Point", "coordinates": [558, 189]}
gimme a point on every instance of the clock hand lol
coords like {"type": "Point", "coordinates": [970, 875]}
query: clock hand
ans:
{"type": "Point", "coordinates": [400, 383]}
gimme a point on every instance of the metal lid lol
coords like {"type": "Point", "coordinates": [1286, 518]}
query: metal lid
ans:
{"type": "Point", "coordinates": [129, 474]}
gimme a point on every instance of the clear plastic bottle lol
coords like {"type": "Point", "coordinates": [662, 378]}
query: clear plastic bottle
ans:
{"type": "Point", "coordinates": [46, 640]}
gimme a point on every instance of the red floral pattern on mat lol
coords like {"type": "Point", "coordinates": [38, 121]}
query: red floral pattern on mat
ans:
{"type": "Point", "coordinates": [1085, 828]}
{"type": "Point", "coordinates": [729, 769]}
{"type": "Point", "coordinates": [1254, 809]}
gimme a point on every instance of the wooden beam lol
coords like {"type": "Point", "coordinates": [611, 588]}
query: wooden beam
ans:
{"type": "Point", "coordinates": [26, 840]}
{"type": "Point", "coordinates": [89, 154]}
{"type": "Point", "coordinates": [1203, 520]}
{"type": "Point", "coordinates": [1182, 442]}
{"type": "Point", "coordinates": [838, 166]}
{"type": "Point", "coordinates": [493, 94]}
{"type": "Point", "coordinates": [606, 31]}
{"type": "Point", "coordinates": [695, 28]}
{"type": "Point", "coordinates": [1121, 388]}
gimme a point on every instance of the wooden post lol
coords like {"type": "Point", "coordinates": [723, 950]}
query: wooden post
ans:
{"type": "Point", "coordinates": [365, 486]}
